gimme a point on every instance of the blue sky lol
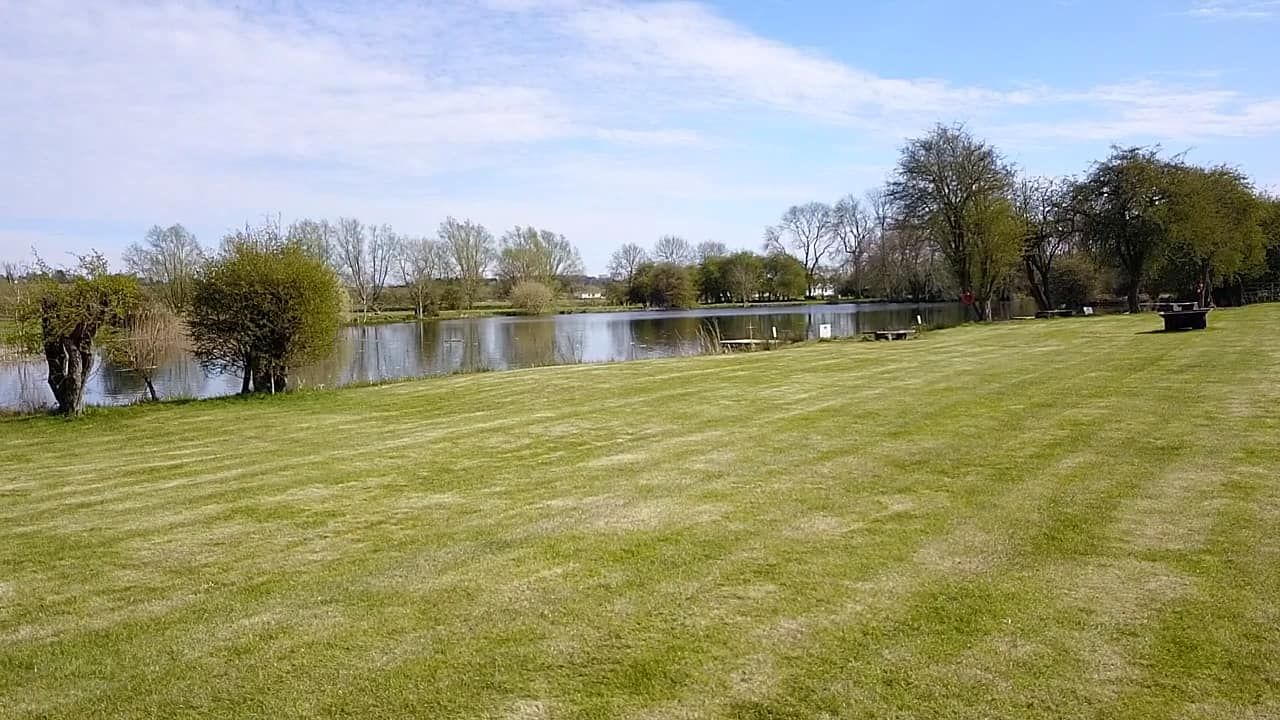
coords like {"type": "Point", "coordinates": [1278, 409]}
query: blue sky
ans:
{"type": "Point", "coordinates": [608, 121]}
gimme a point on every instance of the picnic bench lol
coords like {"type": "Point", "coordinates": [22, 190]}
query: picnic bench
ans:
{"type": "Point", "coordinates": [1194, 318]}
{"type": "Point", "coordinates": [1054, 313]}
{"type": "Point", "coordinates": [893, 334]}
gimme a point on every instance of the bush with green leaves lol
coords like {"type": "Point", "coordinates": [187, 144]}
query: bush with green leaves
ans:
{"type": "Point", "coordinates": [261, 312]}
{"type": "Point", "coordinates": [66, 313]}
{"type": "Point", "coordinates": [532, 297]}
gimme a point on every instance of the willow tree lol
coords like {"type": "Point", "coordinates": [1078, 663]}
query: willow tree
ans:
{"type": "Point", "coordinates": [533, 255]}
{"type": "Point", "coordinates": [1122, 213]}
{"type": "Point", "coordinates": [954, 189]}
{"type": "Point", "coordinates": [1216, 236]}
{"type": "Point", "coordinates": [67, 314]}
{"type": "Point", "coordinates": [261, 312]}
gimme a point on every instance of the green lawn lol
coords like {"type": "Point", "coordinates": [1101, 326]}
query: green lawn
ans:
{"type": "Point", "coordinates": [1070, 518]}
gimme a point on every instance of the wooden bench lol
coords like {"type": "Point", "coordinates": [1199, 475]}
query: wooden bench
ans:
{"type": "Point", "coordinates": [1054, 313]}
{"type": "Point", "coordinates": [1195, 319]}
{"type": "Point", "coordinates": [894, 334]}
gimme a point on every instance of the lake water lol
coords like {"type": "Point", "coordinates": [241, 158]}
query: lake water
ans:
{"type": "Point", "coordinates": [379, 352]}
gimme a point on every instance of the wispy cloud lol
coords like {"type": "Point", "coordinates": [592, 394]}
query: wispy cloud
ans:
{"type": "Point", "coordinates": [209, 111]}
{"type": "Point", "coordinates": [1236, 9]}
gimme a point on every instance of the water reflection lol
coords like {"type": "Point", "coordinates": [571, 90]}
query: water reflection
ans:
{"type": "Point", "coordinates": [371, 353]}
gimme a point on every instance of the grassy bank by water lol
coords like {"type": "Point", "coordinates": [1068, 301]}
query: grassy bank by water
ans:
{"type": "Point", "coordinates": [1071, 518]}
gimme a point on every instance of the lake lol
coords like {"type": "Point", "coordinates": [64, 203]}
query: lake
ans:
{"type": "Point", "coordinates": [381, 352]}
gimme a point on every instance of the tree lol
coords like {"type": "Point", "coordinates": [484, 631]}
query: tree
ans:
{"type": "Point", "coordinates": [710, 281]}
{"type": "Point", "coordinates": [954, 190]}
{"type": "Point", "coordinates": [266, 235]}
{"type": "Point", "coordinates": [673, 249]}
{"type": "Point", "coordinates": [853, 227]}
{"type": "Point", "coordinates": [783, 277]}
{"type": "Point", "coordinates": [807, 232]}
{"type": "Point", "coordinates": [1121, 210]}
{"type": "Point", "coordinates": [710, 249]}
{"type": "Point", "coordinates": [67, 314]}
{"type": "Point", "coordinates": [665, 285]}
{"type": "Point", "coordinates": [532, 296]}
{"type": "Point", "coordinates": [742, 273]}
{"type": "Point", "coordinates": [473, 251]}
{"type": "Point", "coordinates": [422, 262]}
{"type": "Point", "coordinates": [168, 258]}
{"type": "Point", "coordinates": [1271, 232]}
{"type": "Point", "coordinates": [317, 238]}
{"type": "Point", "coordinates": [624, 266]}
{"type": "Point", "coordinates": [143, 341]}
{"type": "Point", "coordinates": [259, 313]}
{"type": "Point", "coordinates": [1216, 237]}
{"type": "Point", "coordinates": [366, 254]}
{"type": "Point", "coordinates": [528, 253]}
{"type": "Point", "coordinates": [1043, 207]}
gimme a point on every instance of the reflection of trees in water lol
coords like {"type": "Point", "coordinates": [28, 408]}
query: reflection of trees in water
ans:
{"type": "Point", "coordinates": [24, 386]}
{"type": "Point", "coordinates": [414, 349]}
{"type": "Point", "coordinates": [177, 375]}
{"type": "Point", "coordinates": [459, 347]}
{"type": "Point", "coordinates": [530, 343]}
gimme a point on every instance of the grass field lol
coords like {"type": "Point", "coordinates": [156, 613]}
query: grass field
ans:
{"type": "Point", "coordinates": [1070, 518]}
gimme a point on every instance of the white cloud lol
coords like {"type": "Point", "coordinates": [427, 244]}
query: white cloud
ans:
{"type": "Point", "coordinates": [1236, 9]}
{"type": "Point", "coordinates": [126, 113]}
{"type": "Point", "coordinates": [699, 55]}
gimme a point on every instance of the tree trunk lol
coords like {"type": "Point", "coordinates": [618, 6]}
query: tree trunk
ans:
{"type": "Point", "coordinates": [1039, 290]}
{"type": "Point", "coordinates": [246, 384]}
{"type": "Point", "coordinates": [70, 362]}
{"type": "Point", "coordinates": [151, 388]}
{"type": "Point", "coordinates": [1133, 298]}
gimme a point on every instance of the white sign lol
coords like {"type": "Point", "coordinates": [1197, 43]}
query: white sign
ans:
{"type": "Point", "coordinates": [824, 331]}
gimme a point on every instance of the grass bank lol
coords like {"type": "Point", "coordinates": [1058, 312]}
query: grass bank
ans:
{"type": "Point", "coordinates": [1051, 519]}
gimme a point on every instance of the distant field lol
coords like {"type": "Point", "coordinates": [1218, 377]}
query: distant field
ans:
{"type": "Point", "coordinates": [1051, 519]}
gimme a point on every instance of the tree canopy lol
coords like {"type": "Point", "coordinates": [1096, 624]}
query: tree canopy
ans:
{"type": "Point", "coordinates": [67, 314]}
{"type": "Point", "coordinates": [261, 312]}
{"type": "Point", "coordinates": [954, 189]}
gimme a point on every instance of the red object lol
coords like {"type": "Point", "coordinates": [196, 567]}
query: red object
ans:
{"type": "Point", "coordinates": [967, 298]}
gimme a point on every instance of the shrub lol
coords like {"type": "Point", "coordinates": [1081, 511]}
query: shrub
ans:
{"type": "Point", "coordinates": [533, 297]}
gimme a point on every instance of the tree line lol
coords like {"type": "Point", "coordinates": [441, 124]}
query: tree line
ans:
{"type": "Point", "coordinates": [957, 220]}
{"type": "Point", "coordinates": [448, 269]}
{"type": "Point", "coordinates": [269, 299]}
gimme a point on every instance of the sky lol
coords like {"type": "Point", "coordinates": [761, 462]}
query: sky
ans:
{"type": "Point", "coordinates": [606, 120]}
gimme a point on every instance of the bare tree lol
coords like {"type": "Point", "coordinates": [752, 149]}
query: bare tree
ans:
{"type": "Point", "coordinates": [854, 228]}
{"type": "Point", "coordinates": [266, 236]}
{"type": "Point", "coordinates": [673, 249]}
{"type": "Point", "coordinates": [806, 232]}
{"type": "Point", "coordinates": [422, 262]}
{"type": "Point", "coordinates": [711, 249]}
{"type": "Point", "coordinates": [169, 258]}
{"type": "Point", "coordinates": [144, 341]}
{"type": "Point", "coordinates": [317, 237]}
{"type": "Point", "coordinates": [473, 251]}
{"type": "Point", "coordinates": [1043, 207]}
{"type": "Point", "coordinates": [626, 262]}
{"type": "Point", "coordinates": [366, 253]}
{"type": "Point", "coordinates": [624, 266]}
{"type": "Point", "coordinates": [528, 253]}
